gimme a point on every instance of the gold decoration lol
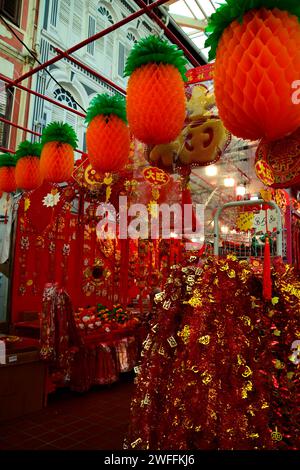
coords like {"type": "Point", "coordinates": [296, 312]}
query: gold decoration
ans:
{"type": "Point", "coordinates": [277, 333]}
{"type": "Point", "coordinates": [231, 274]}
{"type": "Point", "coordinates": [254, 435]}
{"type": "Point", "coordinates": [155, 327]}
{"type": "Point", "coordinates": [184, 334]}
{"type": "Point", "coordinates": [195, 369]}
{"type": "Point", "coordinates": [135, 443]}
{"type": "Point", "coordinates": [27, 203]}
{"type": "Point", "coordinates": [207, 378]}
{"type": "Point", "coordinates": [167, 304]}
{"type": "Point", "coordinates": [279, 364]}
{"type": "Point", "coordinates": [264, 405]}
{"type": "Point", "coordinates": [247, 372]}
{"type": "Point", "coordinates": [161, 351]}
{"type": "Point", "coordinates": [159, 297]}
{"type": "Point", "coordinates": [276, 436]}
{"type": "Point", "coordinates": [172, 342]}
{"type": "Point", "coordinates": [275, 300]}
{"type": "Point", "coordinates": [246, 388]}
{"type": "Point", "coordinates": [195, 301]}
{"type": "Point", "coordinates": [204, 339]}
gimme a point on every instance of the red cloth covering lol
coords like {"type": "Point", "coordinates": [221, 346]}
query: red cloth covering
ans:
{"type": "Point", "coordinates": [216, 371]}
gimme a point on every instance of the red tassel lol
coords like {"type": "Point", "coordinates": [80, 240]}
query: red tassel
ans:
{"type": "Point", "coordinates": [267, 281]}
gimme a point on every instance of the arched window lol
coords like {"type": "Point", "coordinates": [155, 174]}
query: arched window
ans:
{"type": "Point", "coordinates": [105, 45]}
{"type": "Point", "coordinates": [125, 46]}
{"type": "Point", "coordinates": [63, 115]}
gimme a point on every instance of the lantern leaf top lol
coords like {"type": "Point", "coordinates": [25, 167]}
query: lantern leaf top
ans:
{"type": "Point", "coordinates": [235, 10]}
{"type": "Point", "coordinates": [59, 132]}
{"type": "Point", "coordinates": [105, 105]}
{"type": "Point", "coordinates": [153, 49]}
{"type": "Point", "coordinates": [7, 159]}
{"type": "Point", "coordinates": [28, 149]}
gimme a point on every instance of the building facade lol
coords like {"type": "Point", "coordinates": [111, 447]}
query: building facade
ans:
{"type": "Point", "coordinates": [64, 23]}
{"type": "Point", "coordinates": [18, 22]}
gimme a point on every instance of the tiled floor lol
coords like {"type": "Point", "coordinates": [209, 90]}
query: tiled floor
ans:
{"type": "Point", "coordinates": [96, 420]}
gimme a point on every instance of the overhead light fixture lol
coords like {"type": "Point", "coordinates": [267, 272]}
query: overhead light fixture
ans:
{"type": "Point", "coordinates": [211, 170]}
{"type": "Point", "coordinates": [224, 229]}
{"type": "Point", "coordinates": [229, 182]}
{"type": "Point", "coordinates": [241, 190]}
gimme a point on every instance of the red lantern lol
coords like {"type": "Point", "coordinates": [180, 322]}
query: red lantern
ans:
{"type": "Point", "coordinates": [107, 136]}
{"type": "Point", "coordinates": [28, 174]}
{"type": "Point", "coordinates": [7, 173]}
{"type": "Point", "coordinates": [57, 158]}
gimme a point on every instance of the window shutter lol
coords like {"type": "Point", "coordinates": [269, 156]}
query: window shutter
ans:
{"type": "Point", "coordinates": [77, 19]}
{"type": "Point", "coordinates": [121, 62]}
{"type": "Point", "coordinates": [54, 8]}
{"type": "Point", "coordinates": [91, 32]}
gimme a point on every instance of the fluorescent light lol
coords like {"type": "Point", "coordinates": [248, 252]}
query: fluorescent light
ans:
{"type": "Point", "coordinates": [229, 182]}
{"type": "Point", "coordinates": [241, 190]}
{"type": "Point", "coordinates": [211, 170]}
{"type": "Point", "coordinates": [224, 229]}
{"type": "Point", "coordinates": [254, 198]}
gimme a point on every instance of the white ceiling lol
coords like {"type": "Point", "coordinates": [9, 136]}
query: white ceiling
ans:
{"type": "Point", "coordinates": [195, 14]}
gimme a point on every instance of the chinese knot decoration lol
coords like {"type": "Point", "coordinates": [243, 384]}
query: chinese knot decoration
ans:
{"type": "Point", "coordinates": [256, 44]}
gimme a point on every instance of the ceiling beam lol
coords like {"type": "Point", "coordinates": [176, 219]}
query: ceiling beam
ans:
{"type": "Point", "coordinates": [200, 25]}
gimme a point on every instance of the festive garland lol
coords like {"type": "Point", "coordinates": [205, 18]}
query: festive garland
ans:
{"type": "Point", "coordinates": [105, 104]}
{"type": "Point", "coordinates": [26, 149]}
{"type": "Point", "coordinates": [153, 49]}
{"type": "Point", "coordinates": [7, 159]}
{"type": "Point", "coordinates": [235, 10]}
{"type": "Point", "coordinates": [59, 132]}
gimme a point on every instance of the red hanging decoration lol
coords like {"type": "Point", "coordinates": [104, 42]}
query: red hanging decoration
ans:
{"type": "Point", "coordinates": [267, 281]}
{"type": "Point", "coordinates": [7, 173]}
{"type": "Point", "coordinates": [28, 176]}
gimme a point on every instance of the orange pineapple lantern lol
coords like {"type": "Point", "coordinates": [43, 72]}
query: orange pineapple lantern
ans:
{"type": "Point", "coordinates": [256, 44]}
{"type": "Point", "coordinates": [155, 91]}
{"type": "Point", "coordinates": [107, 136]}
{"type": "Point", "coordinates": [28, 175]}
{"type": "Point", "coordinates": [57, 157]}
{"type": "Point", "coordinates": [7, 173]}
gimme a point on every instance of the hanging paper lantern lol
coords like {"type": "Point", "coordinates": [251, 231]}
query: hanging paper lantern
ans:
{"type": "Point", "coordinates": [155, 92]}
{"type": "Point", "coordinates": [7, 173]}
{"type": "Point", "coordinates": [28, 175]}
{"type": "Point", "coordinates": [57, 157]}
{"type": "Point", "coordinates": [107, 136]}
{"type": "Point", "coordinates": [257, 54]}
{"type": "Point", "coordinates": [277, 163]}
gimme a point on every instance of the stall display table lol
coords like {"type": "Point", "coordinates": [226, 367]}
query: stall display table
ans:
{"type": "Point", "coordinates": [22, 378]}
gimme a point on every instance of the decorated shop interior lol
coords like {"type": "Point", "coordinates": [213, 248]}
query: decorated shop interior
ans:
{"type": "Point", "coordinates": [170, 248]}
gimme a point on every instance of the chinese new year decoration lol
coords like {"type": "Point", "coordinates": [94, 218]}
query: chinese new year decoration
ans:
{"type": "Point", "coordinates": [57, 157]}
{"type": "Point", "coordinates": [155, 92]}
{"type": "Point", "coordinates": [280, 159]}
{"type": "Point", "coordinates": [256, 44]}
{"type": "Point", "coordinates": [7, 173]}
{"type": "Point", "coordinates": [217, 369]}
{"type": "Point", "coordinates": [28, 175]}
{"type": "Point", "coordinates": [203, 139]}
{"type": "Point", "coordinates": [107, 137]}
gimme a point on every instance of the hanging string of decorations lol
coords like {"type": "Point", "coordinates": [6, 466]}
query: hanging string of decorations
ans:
{"type": "Point", "coordinates": [107, 136]}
